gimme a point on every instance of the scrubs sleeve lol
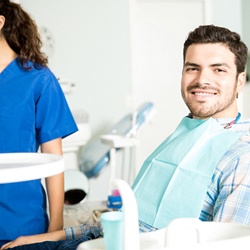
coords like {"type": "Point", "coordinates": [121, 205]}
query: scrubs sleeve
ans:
{"type": "Point", "coordinates": [53, 116]}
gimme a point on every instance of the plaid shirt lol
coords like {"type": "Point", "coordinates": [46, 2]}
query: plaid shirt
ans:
{"type": "Point", "coordinates": [95, 230]}
{"type": "Point", "coordinates": [228, 195]}
{"type": "Point", "coordinates": [84, 229]}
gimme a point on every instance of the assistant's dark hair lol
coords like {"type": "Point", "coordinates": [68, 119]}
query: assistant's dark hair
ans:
{"type": "Point", "coordinates": [21, 34]}
{"type": "Point", "coordinates": [215, 34]}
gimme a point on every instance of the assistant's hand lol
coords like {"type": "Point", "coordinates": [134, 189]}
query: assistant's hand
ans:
{"type": "Point", "coordinates": [22, 240]}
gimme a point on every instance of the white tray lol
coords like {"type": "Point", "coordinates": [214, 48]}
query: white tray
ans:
{"type": "Point", "coordinates": [16, 167]}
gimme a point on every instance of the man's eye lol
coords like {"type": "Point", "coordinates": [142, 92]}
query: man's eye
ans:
{"type": "Point", "coordinates": [219, 70]}
{"type": "Point", "coordinates": [191, 69]}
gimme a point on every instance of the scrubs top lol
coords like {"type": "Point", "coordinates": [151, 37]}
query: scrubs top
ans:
{"type": "Point", "coordinates": [33, 110]}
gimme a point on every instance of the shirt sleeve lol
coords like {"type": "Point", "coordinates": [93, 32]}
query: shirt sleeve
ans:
{"type": "Point", "coordinates": [53, 116]}
{"type": "Point", "coordinates": [228, 197]}
{"type": "Point", "coordinates": [83, 230]}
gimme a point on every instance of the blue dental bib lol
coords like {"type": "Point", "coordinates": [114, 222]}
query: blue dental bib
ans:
{"type": "Point", "coordinates": [173, 181]}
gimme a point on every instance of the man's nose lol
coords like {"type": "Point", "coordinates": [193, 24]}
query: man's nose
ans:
{"type": "Point", "coordinates": [203, 77]}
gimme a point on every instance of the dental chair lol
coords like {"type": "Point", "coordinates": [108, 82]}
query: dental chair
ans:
{"type": "Point", "coordinates": [96, 155]}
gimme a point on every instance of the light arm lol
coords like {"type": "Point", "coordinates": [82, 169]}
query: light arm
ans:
{"type": "Point", "coordinates": [55, 188]}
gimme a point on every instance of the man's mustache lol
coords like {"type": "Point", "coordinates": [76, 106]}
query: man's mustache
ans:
{"type": "Point", "coordinates": [199, 86]}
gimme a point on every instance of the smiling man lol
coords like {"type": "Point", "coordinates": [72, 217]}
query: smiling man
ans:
{"type": "Point", "coordinates": [213, 74]}
{"type": "Point", "coordinates": [202, 170]}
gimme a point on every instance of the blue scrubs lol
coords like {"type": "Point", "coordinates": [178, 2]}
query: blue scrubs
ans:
{"type": "Point", "coordinates": [33, 110]}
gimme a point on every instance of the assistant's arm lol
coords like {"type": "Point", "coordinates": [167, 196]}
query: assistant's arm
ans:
{"type": "Point", "coordinates": [55, 188]}
{"type": "Point", "coordinates": [67, 234]}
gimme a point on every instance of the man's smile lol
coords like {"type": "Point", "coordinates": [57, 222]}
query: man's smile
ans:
{"type": "Point", "coordinates": [202, 93]}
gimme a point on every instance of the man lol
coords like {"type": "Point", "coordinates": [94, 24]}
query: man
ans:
{"type": "Point", "coordinates": [213, 75]}
{"type": "Point", "coordinates": [203, 169]}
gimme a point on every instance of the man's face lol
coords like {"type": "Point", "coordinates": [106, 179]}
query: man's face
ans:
{"type": "Point", "coordinates": [209, 84]}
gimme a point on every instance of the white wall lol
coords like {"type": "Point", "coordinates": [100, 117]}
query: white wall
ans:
{"type": "Point", "coordinates": [228, 13]}
{"type": "Point", "coordinates": [246, 37]}
{"type": "Point", "coordinates": [246, 21]}
{"type": "Point", "coordinates": [91, 49]}
{"type": "Point", "coordinates": [159, 29]}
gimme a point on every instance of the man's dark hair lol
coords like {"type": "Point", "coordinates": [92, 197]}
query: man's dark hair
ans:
{"type": "Point", "coordinates": [215, 34]}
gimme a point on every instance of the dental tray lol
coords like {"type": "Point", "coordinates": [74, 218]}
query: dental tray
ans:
{"type": "Point", "coordinates": [17, 167]}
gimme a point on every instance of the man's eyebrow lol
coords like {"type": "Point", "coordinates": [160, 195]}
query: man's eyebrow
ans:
{"type": "Point", "coordinates": [191, 64]}
{"type": "Point", "coordinates": [187, 64]}
{"type": "Point", "coordinates": [220, 64]}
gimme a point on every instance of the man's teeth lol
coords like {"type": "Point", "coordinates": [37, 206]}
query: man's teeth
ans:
{"type": "Point", "coordinates": [202, 93]}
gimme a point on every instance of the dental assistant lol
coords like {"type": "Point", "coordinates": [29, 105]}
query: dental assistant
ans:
{"type": "Point", "coordinates": [214, 61]}
{"type": "Point", "coordinates": [33, 113]}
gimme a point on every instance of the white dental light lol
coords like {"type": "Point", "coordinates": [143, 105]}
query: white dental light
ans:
{"type": "Point", "coordinates": [17, 167]}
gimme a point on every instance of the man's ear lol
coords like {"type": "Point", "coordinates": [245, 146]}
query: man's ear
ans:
{"type": "Point", "coordinates": [2, 21]}
{"type": "Point", "coordinates": [241, 81]}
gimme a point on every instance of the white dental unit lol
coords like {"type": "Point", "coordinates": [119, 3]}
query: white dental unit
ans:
{"type": "Point", "coordinates": [184, 233]}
